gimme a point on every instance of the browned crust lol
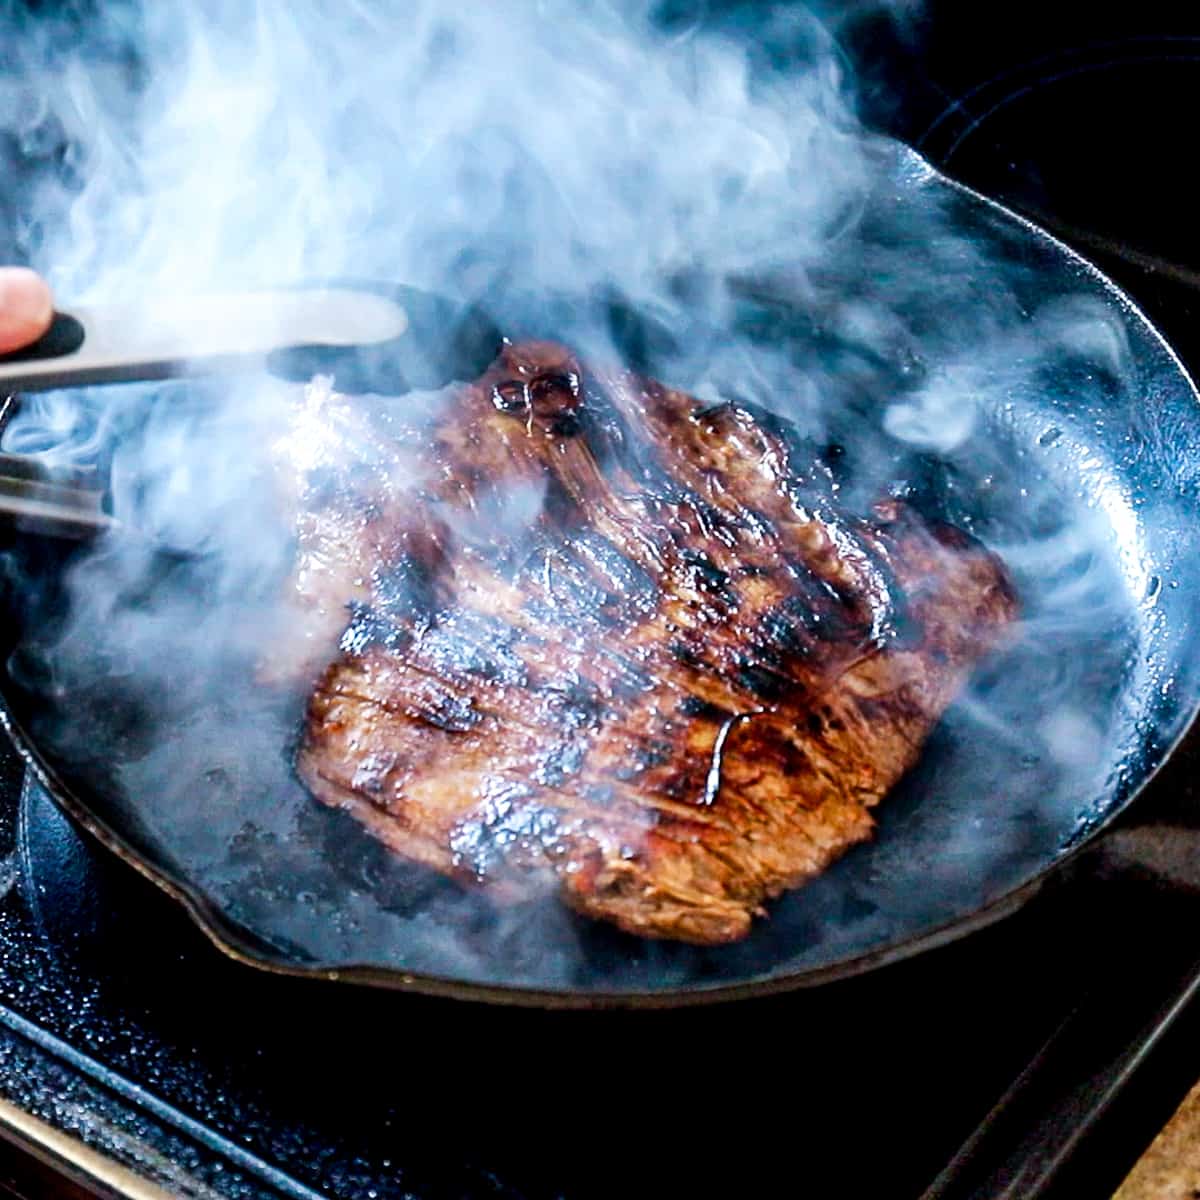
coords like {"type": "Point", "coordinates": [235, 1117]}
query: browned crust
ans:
{"type": "Point", "coordinates": [671, 689]}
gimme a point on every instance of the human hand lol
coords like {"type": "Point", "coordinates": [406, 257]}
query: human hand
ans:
{"type": "Point", "coordinates": [26, 307]}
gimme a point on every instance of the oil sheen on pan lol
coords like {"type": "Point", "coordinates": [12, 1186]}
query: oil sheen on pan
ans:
{"type": "Point", "coordinates": [611, 642]}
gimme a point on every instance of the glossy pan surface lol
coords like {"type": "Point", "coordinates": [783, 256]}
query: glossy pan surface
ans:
{"type": "Point", "coordinates": [1083, 473]}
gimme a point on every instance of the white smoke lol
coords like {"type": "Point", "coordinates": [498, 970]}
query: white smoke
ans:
{"type": "Point", "coordinates": [270, 141]}
{"type": "Point", "coordinates": [702, 169]}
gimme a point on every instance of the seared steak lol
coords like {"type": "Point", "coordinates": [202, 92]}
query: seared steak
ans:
{"type": "Point", "coordinates": [616, 641]}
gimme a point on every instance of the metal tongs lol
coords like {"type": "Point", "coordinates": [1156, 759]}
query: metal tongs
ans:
{"type": "Point", "coordinates": [369, 337]}
{"type": "Point", "coordinates": [61, 501]}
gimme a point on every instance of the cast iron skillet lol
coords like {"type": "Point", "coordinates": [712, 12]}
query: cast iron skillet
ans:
{"type": "Point", "coordinates": [1083, 469]}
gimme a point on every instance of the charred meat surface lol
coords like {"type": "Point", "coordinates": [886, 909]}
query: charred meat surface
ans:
{"type": "Point", "coordinates": [611, 641]}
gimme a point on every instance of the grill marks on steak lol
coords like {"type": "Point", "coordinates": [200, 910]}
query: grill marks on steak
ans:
{"type": "Point", "coordinates": [618, 642]}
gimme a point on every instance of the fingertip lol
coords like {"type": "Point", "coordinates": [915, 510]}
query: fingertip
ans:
{"type": "Point", "coordinates": [26, 307]}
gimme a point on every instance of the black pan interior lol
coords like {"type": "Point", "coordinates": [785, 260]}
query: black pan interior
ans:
{"type": "Point", "coordinates": [1082, 470]}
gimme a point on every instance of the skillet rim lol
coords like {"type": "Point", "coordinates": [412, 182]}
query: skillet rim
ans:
{"type": "Point", "coordinates": [228, 938]}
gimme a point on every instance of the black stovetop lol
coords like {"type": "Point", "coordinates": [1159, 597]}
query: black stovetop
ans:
{"type": "Point", "coordinates": [121, 1024]}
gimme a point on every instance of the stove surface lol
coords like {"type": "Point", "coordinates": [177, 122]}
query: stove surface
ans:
{"type": "Point", "coordinates": [127, 1028]}
{"type": "Point", "coordinates": [121, 1024]}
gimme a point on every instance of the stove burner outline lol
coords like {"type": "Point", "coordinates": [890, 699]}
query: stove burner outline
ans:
{"type": "Point", "coordinates": [1041, 72]}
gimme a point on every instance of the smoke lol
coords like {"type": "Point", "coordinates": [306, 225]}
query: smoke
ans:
{"type": "Point", "coordinates": [267, 142]}
{"type": "Point", "coordinates": [702, 170]}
